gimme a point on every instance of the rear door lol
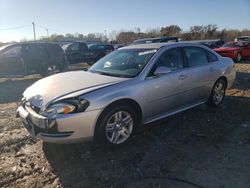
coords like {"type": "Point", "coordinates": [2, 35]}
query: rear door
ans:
{"type": "Point", "coordinates": [201, 74]}
{"type": "Point", "coordinates": [11, 60]}
{"type": "Point", "coordinates": [35, 57]}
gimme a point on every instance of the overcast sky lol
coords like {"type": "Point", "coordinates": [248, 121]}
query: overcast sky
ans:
{"type": "Point", "coordinates": [88, 16]}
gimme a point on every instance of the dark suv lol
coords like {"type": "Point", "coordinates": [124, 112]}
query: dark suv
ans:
{"type": "Point", "coordinates": [78, 52]}
{"type": "Point", "coordinates": [32, 57]}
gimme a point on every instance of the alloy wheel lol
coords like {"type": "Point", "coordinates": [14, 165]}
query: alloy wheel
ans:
{"type": "Point", "coordinates": [218, 94]}
{"type": "Point", "coordinates": [119, 127]}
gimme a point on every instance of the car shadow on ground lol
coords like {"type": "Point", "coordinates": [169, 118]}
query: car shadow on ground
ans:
{"type": "Point", "coordinates": [11, 90]}
{"type": "Point", "coordinates": [156, 151]}
{"type": "Point", "coordinates": [242, 81]}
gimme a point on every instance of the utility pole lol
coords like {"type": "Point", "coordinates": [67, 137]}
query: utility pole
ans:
{"type": "Point", "coordinates": [105, 34]}
{"type": "Point", "coordinates": [201, 32]}
{"type": "Point", "coordinates": [34, 30]}
{"type": "Point", "coordinates": [47, 30]}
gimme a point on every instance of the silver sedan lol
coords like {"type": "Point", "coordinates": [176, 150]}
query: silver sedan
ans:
{"type": "Point", "coordinates": [132, 86]}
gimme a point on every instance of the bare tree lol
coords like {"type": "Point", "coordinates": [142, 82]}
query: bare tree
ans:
{"type": "Point", "coordinates": [171, 30]}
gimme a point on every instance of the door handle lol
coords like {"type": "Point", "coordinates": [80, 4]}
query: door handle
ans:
{"type": "Point", "coordinates": [182, 77]}
{"type": "Point", "coordinates": [211, 69]}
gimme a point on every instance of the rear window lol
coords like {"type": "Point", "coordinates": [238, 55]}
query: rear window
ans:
{"type": "Point", "coordinates": [211, 57]}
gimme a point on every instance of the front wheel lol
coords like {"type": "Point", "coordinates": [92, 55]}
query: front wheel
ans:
{"type": "Point", "coordinates": [116, 126]}
{"type": "Point", "coordinates": [218, 93]}
{"type": "Point", "coordinates": [238, 57]}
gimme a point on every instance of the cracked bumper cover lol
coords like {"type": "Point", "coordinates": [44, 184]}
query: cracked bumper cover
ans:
{"type": "Point", "coordinates": [77, 127]}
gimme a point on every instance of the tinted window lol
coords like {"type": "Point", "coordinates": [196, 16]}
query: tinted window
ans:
{"type": "Point", "coordinates": [172, 59]}
{"type": "Point", "coordinates": [74, 47]}
{"type": "Point", "coordinates": [196, 56]}
{"type": "Point", "coordinates": [84, 46]}
{"type": "Point", "coordinates": [36, 51]}
{"type": "Point", "coordinates": [211, 57]}
{"type": "Point", "coordinates": [13, 52]}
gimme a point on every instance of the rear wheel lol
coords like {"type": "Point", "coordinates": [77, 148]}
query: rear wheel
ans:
{"type": "Point", "coordinates": [116, 126]}
{"type": "Point", "coordinates": [218, 93]}
{"type": "Point", "coordinates": [49, 70]}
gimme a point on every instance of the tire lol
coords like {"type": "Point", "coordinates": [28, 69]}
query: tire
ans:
{"type": "Point", "coordinates": [218, 93]}
{"type": "Point", "coordinates": [238, 57]}
{"type": "Point", "coordinates": [49, 70]}
{"type": "Point", "coordinates": [116, 125]}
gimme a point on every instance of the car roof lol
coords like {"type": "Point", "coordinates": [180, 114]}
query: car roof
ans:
{"type": "Point", "coordinates": [155, 38]}
{"type": "Point", "coordinates": [160, 45]}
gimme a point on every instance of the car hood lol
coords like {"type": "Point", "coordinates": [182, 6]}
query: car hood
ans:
{"type": "Point", "coordinates": [53, 87]}
{"type": "Point", "coordinates": [223, 49]}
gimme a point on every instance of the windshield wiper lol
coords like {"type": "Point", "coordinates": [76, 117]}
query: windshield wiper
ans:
{"type": "Point", "coordinates": [109, 74]}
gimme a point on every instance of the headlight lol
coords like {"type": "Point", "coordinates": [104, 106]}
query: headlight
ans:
{"type": "Point", "coordinates": [67, 107]}
{"type": "Point", "coordinates": [61, 108]}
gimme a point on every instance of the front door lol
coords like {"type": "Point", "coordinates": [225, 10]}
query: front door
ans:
{"type": "Point", "coordinates": [246, 50]}
{"type": "Point", "coordinates": [164, 93]}
{"type": "Point", "coordinates": [73, 53]}
{"type": "Point", "coordinates": [11, 61]}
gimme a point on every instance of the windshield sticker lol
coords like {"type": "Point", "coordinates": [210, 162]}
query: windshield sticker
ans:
{"type": "Point", "coordinates": [147, 52]}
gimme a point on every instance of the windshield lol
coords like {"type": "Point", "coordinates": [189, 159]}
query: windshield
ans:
{"type": "Point", "coordinates": [231, 45]}
{"type": "Point", "coordinates": [5, 46]}
{"type": "Point", "coordinates": [243, 38]}
{"type": "Point", "coordinates": [123, 63]}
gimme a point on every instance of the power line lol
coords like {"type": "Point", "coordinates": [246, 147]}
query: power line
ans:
{"type": "Point", "coordinates": [13, 28]}
{"type": "Point", "coordinates": [52, 29]}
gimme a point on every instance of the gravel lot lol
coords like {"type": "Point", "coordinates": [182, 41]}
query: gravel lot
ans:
{"type": "Point", "coordinates": [202, 147]}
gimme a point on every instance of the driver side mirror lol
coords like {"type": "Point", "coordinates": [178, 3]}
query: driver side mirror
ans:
{"type": "Point", "coordinates": [161, 71]}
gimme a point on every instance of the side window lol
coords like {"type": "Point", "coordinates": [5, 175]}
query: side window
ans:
{"type": "Point", "coordinates": [196, 56]}
{"type": "Point", "coordinates": [172, 59]}
{"type": "Point", "coordinates": [35, 51]}
{"type": "Point", "coordinates": [211, 57]}
{"type": "Point", "coordinates": [83, 46]}
{"type": "Point", "coordinates": [74, 47]}
{"type": "Point", "coordinates": [13, 52]}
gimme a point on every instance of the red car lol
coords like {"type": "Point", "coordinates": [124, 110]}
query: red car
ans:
{"type": "Point", "coordinates": [235, 50]}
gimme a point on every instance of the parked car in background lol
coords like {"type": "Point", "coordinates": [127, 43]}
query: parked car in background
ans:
{"type": "Point", "coordinates": [155, 40]}
{"type": "Point", "coordinates": [107, 48]}
{"type": "Point", "coordinates": [32, 57]}
{"type": "Point", "coordinates": [79, 52]}
{"type": "Point", "coordinates": [213, 43]}
{"type": "Point", "coordinates": [131, 86]}
{"type": "Point", "coordinates": [117, 46]}
{"type": "Point", "coordinates": [235, 50]}
{"type": "Point", "coordinates": [243, 38]}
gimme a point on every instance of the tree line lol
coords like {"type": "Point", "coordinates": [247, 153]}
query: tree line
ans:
{"type": "Point", "coordinates": [196, 32]}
